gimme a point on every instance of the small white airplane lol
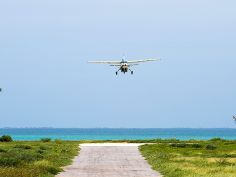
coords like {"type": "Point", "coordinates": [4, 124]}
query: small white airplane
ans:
{"type": "Point", "coordinates": [234, 117]}
{"type": "Point", "coordinates": [124, 66]}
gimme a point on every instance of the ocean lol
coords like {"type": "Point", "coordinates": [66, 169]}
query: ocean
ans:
{"type": "Point", "coordinates": [117, 133]}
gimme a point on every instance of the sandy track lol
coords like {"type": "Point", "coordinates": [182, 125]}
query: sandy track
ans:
{"type": "Point", "coordinates": [109, 160]}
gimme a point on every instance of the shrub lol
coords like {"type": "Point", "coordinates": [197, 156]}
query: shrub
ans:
{"type": "Point", "coordinates": [22, 146]}
{"type": "Point", "coordinates": [46, 166]}
{"type": "Point", "coordinates": [58, 141]}
{"type": "Point", "coordinates": [3, 150]}
{"type": "Point", "coordinates": [180, 145]}
{"type": "Point", "coordinates": [9, 161]}
{"type": "Point", "coordinates": [42, 163]}
{"type": "Point", "coordinates": [229, 155]}
{"type": "Point", "coordinates": [210, 147]}
{"type": "Point", "coordinates": [217, 139]}
{"type": "Point", "coordinates": [6, 138]}
{"type": "Point", "coordinates": [172, 140]}
{"type": "Point", "coordinates": [42, 147]}
{"type": "Point", "coordinates": [222, 162]}
{"type": "Point", "coordinates": [40, 151]}
{"type": "Point", "coordinates": [19, 172]}
{"type": "Point", "coordinates": [195, 145]}
{"type": "Point", "coordinates": [53, 170]}
{"type": "Point", "coordinates": [28, 157]}
{"type": "Point", "coordinates": [185, 145]}
{"type": "Point", "coordinates": [163, 155]}
{"type": "Point", "coordinates": [45, 140]}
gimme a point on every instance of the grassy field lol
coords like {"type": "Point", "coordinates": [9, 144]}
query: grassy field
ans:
{"type": "Point", "coordinates": [213, 158]}
{"type": "Point", "coordinates": [35, 159]}
{"type": "Point", "coordinates": [173, 158]}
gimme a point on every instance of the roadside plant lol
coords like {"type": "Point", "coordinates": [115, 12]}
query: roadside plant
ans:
{"type": "Point", "coordinates": [210, 147]}
{"type": "Point", "coordinates": [45, 140]}
{"type": "Point", "coordinates": [6, 138]}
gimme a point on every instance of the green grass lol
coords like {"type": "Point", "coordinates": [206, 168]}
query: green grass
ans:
{"type": "Point", "coordinates": [213, 158]}
{"type": "Point", "coordinates": [172, 157]}
{"type": "Point", "coordinates": [35, 159]}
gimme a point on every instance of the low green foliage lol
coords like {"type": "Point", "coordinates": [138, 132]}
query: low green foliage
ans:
{"type": "Point", "coordinates": [35, 159]}
{"type": "Point", "coordinates": [212, 158]}
{"type": "Point", "coordinates": [9, 162]}
{"type": "Point", "coordinates": [196, 145]}
{"type": "Point", "coordinates": [210, 147]}
{"type": "Point", "coordinates": [186, 145]}
{"type": "Point", "coordinates": [6, 138]}
{"type": "Point", "coordinates": [2, 150]}
{"type": "Point", "coordinates": [217, 139]}
{"type": "Point", "coordinates": [23, 146]}
{"type": "Point", "coordinates": [45, 140]}
{"type": "Point", "coordinates": [223, 162]}
{"type": "Point", "coordinates": [58, 141]}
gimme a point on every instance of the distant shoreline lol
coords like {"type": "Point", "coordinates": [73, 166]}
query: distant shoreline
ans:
{"type": "Point", "coordinates": [119, 133]}
{"type": "Point", "coordinates": [107, 128]}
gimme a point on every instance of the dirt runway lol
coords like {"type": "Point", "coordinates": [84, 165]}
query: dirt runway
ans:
{"type": "Point", "coordinates": [109, 160]}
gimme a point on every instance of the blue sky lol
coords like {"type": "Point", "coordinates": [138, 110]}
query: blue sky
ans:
{"type": "Point", "coordinates": [46, 81]}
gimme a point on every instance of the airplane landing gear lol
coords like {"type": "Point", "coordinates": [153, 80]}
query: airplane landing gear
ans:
{"type": "Point", "coordinates": [117, 72]}
{"type": "Point", "coordinates": [132, 72]}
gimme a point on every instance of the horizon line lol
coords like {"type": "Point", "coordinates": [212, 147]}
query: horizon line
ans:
{"type": "Point", "coordinates": [117, 127]}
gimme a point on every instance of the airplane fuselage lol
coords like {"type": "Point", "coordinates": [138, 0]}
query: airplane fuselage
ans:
{"type": "Point", "coordinates": [124, 67]}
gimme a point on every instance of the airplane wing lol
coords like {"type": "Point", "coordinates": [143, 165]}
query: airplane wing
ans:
{"type": "Point", "coordinates": [133, 64]}
{"type": "Point", "coordinates": [141, 61]}
{"type": "Point", "coordinates": [105, 62]}
{"type": "Point", "coordinates": [115, 64]}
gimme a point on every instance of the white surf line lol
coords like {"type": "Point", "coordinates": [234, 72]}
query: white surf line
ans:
{"type": "Point", "coordinates": [109, 160]}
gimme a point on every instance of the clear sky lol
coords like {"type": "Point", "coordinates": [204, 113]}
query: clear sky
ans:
{"type": "Point", "coordinates": [47, 82]}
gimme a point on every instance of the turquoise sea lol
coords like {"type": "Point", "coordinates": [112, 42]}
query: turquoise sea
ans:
{"type": "Point", "coordinates": [117, 134]}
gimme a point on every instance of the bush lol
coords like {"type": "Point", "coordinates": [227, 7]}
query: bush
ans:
{"type": "Point", "coordinates": [229, 155]}
{"type": "Point", "coordinates": [195, 145]}
{"type": "Point", "coordinates": [210, 147]}
{"type": "Point", "coordinates": [40, 151]}
{"type": "Point", "coordinates": [3, 150]}
{"type": "Point", "coordinates": [29, 157]}
{"type": "Point", "coordinates": [53, 170]}
{"type": "Point", "coordinates": [42, 147]}
{"type": "Point", "coordinates": [45, 140]}
{"type": "Point", "coordinates": [46, 166]}
{"type": "Point", "coordinates": [180, 145]}
{"type": "Point", "coordinates": [186, 145]}
{"type": "Point", "coordinates": [58, 141]}
{"type": "Point", "coordinates": [173, 140]}
{"type": "Point", "coordinates": [22, 146]}
{"type": "Point", "coordinates": [9, 161]}
{"type": "Point", "coordinates": [19, 172]}
{"type": "Point", "coordinates": [217, 139]}
{"type": "Point", "coordinates": [163, 155]}
{"type": "Point", "coordinates": [6, 138]}
{"type": "Point", "coordinates": [222, 162]}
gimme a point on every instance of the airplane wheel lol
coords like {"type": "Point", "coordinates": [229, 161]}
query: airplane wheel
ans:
{"type": "Point", "coordinates": [116, 73]}
{"type": "Point", "coordinates": [132, 72]}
